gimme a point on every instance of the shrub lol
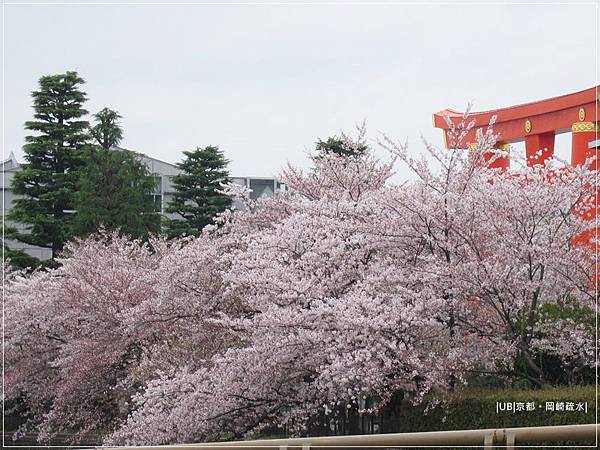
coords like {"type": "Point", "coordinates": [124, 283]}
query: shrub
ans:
{"type": "Point", "coordinates": [476, 409]}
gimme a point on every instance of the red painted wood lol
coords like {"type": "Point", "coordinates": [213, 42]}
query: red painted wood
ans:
{"type": "Point", "coordinates": [537, 123]}
{"type": "Point", "coordinates": [580, 150]}
{"type": "Point", "coordinates": [539, 148]}
{"type": "Point", "coordinates": [553, 115]}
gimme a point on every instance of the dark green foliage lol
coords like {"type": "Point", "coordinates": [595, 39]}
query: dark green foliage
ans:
{"type": "Point", "coordinates": [465, 409]}
{"type": "Point", "coordinates": [107, 132]}
{"type": "Point", "coordinates": [568, 308]}
{"type": "Point", "coordinates": [114, 186]}
{"type": "Point", "coordinates": [340, 147]}
{"type": "Point", "coordinates": [46, 185]}
{"type": "Point", "coordinates": [18, 259]}
{"type": "Point", "coordinates": [554, 369]}
{"type": "Point", "coordinates": [476, 409]}
{"type": "Point", "coordinates": [197, 198]}
{"type": "Point", "coordinates": [114, 192]}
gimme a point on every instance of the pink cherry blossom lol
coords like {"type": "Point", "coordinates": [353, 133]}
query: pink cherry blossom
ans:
{"type": "Point", "coordinates": [344, 288]}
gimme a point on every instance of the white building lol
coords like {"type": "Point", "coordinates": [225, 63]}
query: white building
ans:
{"type": "Point", "coordinates": [162, 195]}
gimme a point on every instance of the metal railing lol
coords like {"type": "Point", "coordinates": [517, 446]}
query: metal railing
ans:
{"type": "Point", "coordinates": [488, 438]}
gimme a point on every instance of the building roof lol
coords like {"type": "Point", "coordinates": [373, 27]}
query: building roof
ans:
{"type": "Point", "coordinates": [10, 163]}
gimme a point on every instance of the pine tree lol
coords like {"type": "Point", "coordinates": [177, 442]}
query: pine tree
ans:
{"type": "Point", "coordinates": [46, 185]}
{"type": "Point", "coordinates": [197, 198]}
{"type": "Point", "coordinates": [114, 185]}
{"type": "Point", "coordinates": [18, 259]}
{"type": "Point", "coordinates": [107, 132]}
{"type": "Point", "coordinates": [341, 147]}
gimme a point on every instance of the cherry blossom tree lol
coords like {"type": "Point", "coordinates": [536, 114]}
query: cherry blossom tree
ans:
{"type": "Point", "coordinates": [302, 306]}
{"type": "Point", "coordinates": [501, 244]}
{"type": "Point", "coordinates": [357, 288]}
{"type": "Point", "coordinates": [80, 340]}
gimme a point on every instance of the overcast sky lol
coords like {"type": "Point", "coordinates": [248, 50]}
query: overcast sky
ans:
{"type": "Point", "coordinates": [263, 82]}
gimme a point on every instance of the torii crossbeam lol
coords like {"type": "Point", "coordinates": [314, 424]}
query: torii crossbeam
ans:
{"type": "Point", "coordinates": [536, 123]}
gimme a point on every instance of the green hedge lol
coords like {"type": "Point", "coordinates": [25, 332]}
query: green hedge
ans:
{"type": "Point", "coordinates": [476, 409]}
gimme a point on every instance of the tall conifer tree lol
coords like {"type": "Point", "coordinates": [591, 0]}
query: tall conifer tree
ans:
{"type": "Point", "coordinates": [114, 192]}
{"type": "Point", "coordinates": [197, 198]}
{"type": "Point", "coordinates": [107, 132]}
{"type": "Point", "coordinates": [46, 185]}
{"type": "Point", "coordinates": [114, 185]}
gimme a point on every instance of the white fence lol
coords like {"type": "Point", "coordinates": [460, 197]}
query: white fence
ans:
{"type": "Point", "coordinates": [505, 437]}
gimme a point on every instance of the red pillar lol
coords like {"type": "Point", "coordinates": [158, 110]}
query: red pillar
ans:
{"type": "Point", "coordinates": [539, 148]}
{"type": "Point", "coordinates": [582, 134]}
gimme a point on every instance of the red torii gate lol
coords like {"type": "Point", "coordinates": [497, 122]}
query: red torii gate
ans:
{"type": "Point", "coordinates": [536, 123]}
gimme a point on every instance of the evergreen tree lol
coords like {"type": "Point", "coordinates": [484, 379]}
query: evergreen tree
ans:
{"type": "Point", "coordinates": [107, 132]}
{"type": "Point", "coordinates": [46, 185]}
{"type": "Point", "coordinates": [114, 192]}
{"type": "Point", "coordinates": [341, 147]}
{"type": "Point", "coordinates": [197, 198]}
{"type": "Point", "coordinates": [114, 185]}
{"type": "Point", "coordinates": [18, 259]}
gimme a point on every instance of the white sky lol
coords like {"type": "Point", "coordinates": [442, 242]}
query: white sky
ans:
{"type": "Point", "coordinates": [263, 82]}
